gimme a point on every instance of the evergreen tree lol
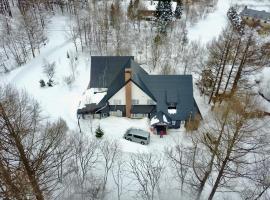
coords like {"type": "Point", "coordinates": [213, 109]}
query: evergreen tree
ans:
{"type": "Point", "coordinates": [42, 83]}
{"type": "Point", "coordinates": [164, 14]}
{"type": "Point", "coordinates": [99, 132]}
{"type": "Point", "coordinates": [179, 9]}
{"type": "Point", "coordinates": [236, 20]}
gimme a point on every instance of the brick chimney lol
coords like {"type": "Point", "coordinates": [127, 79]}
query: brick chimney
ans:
{"type": "Point", "coordinates": [128, 91]}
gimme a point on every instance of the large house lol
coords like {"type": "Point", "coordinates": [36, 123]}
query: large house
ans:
{"type": "Point", "coordinates": [121, 87]}
{"type": "Point", "coordinates": [256, 18]}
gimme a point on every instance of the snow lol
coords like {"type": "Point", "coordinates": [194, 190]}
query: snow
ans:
{"type": "Point", "coordinates": [60, 100]}
{"type": "Point", "coordinates": [92, 95]}
{"type": "Point", "coordinates": [265, 83]}
{"type": "Point", "coordinates": [210, 27]}
{"type": "Point", "coordinates": [154, 120]}
{"type": "Point", "coordinates": [115, 127]}
{"type": "Point", "coordinates": [172, 111]}
{"type": "Point", "coordinates": [63, 101]}
{"type": "Point", "coordinates": [151, 5]}
{"type": "Point", "coordinates": [165, 119]}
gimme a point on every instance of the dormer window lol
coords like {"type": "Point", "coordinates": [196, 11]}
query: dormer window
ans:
{"type": "Point", "coordinates": [172, 108]}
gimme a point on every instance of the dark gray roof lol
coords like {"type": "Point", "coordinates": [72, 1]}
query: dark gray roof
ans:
{"type": "Point", "coordinates": [164, 89]}
{"type": "Point", "coordinates": [171, 89]}
{"type": "Point", "coordinates": [263, 15]}
{"type": "Point", "coordinates": [143, 109]}
{"type": "Point", "coordinates": [104, 69]}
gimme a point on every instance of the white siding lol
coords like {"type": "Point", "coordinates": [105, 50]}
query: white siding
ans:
{"type": "Point", "coordinates": [137, 94]}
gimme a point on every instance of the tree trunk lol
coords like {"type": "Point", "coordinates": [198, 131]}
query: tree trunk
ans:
{"type": "Point", "coordinates": [233, 64]}
{"type": "Point", "coordinates": [27, 165]}
{"type": "Point", "coordinates": [241, 66]}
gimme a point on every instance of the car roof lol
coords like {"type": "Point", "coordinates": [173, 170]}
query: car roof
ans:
{"type": "Point", "coordinates": [138, 132]}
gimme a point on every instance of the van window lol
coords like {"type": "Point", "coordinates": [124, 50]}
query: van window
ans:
{"type": "Point", "coordinates": [129, 134]}
{"type": "Point", "coordinates": [140, 137]}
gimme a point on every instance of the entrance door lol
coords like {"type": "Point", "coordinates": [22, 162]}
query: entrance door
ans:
{"type": "Point", "coordinates": [161, 128]}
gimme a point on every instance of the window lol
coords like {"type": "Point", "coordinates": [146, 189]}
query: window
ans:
{"type": "Point", "coordinates": [116, 102]}
{"type": "Point", "coordinates": [150, 102]}
{"type": "Point", "coordinates": [135, 101]}
{"type": "Point", "coordinates": [173, 123]}
{"type": "Point", "coordinates": [140, 137]}
{"type": "Point", "coordinates": [129, 134]}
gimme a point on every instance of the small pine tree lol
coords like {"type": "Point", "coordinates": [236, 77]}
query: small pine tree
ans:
{"type": "Point", "coordinates": [68, 55]}
{"type": "Point", "coordinates": [179, 9]}
{"type": "Point", "coordinates": [99, 132]}
{"type": "Point", "coordinates": [42, 83]}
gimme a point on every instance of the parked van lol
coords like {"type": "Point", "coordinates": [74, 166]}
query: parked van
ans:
{"type": "Point", "coordinates": [137, 135]}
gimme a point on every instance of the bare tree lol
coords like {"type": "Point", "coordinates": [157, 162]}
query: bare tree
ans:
{"type": "Point", "coordinates": [147, 170]}
{"type": "Point", "coordinates": [109, 151]}
{"type": "Point", "coordinates": [28, 144]}
{"type": "Point", "coordinates": [49, 70]}
{"type": "Point", "coordinates": [119, 173]}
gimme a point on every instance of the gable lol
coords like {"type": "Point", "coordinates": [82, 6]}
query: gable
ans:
{"type": "Point", "coordinates": [137, 94]}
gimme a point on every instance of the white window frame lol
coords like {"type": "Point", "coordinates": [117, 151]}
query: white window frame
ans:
{"type": "Point", "coordinates": [135, 101]}
{"type": "Point", "coordinates": [117, 102]}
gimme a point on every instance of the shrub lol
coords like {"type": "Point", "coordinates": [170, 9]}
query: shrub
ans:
{"type": "Point", "coordinates": [99, 132]}
{"type": "Point", "coordinates": [42, 83]}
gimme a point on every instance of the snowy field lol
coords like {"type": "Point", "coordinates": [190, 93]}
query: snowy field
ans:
{"type": "Point", "coordinates": [63, 100]}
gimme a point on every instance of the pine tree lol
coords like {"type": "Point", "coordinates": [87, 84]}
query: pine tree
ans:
{"type": "Point", "coordinates": [99, 132]}
{"type": "Point", "coordinates": [42, 83]}
{"type": "Point", "coordinates": [164, 14]}
{"type": "Point", "coordinates": [236, 20]}
{"type": "Point", "coordinates": [179, 9]}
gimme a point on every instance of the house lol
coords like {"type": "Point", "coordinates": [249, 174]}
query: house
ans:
{"type": "Point", "coordinates": [121, 87]}
{"type": "Point", "coordinates": [256, 18]}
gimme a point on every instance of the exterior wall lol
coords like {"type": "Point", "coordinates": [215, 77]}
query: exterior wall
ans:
{"type": "Point", "coordinates": [138, 116]}
{"type": "Point", "coordinates": [253, 22]}
{"type": "Point", "coordinates": [136, 93]}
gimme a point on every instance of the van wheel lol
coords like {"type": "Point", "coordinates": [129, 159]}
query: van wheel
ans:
{"type": "Point", "coordinates": [142, 143]}
{"type": "Point", "coordinates": [129, 139]}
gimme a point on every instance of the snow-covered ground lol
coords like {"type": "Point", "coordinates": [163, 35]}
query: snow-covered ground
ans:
{"type": "Point", "coordinates": [59, 100]}
{"type": "Point", "coordinates": [62, 100]}
{"type": "Point", "coordinates": [210, 27]}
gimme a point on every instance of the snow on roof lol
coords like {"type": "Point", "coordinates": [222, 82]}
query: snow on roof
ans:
{"type": "Point", "coordinates": [151, 5]}
{"type": "Point", "coordinates": [172, 111]}
{"type": "Point", "coordinates": [165, 119]}
{"type": "Point", "coordinates": [154, 120]}
{"type": "Point", "coordinates": [92, 95]}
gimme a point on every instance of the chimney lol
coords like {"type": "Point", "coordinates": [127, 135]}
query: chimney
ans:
{"type": "Point", "coordinates": [128, 91]}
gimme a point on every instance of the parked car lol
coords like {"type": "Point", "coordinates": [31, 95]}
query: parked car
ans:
{"type": "Point", "coordinates": [137, 135]}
